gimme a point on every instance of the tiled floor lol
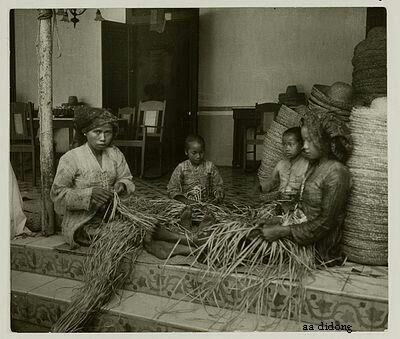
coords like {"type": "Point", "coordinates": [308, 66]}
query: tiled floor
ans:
{"type": "Point", "coordinates": [238, 187]}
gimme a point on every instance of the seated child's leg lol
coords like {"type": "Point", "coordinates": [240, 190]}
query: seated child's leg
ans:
{"type": "Point", "coordinates": [163, 249]}
{"type": "Point", "coordinates": [171, 237]}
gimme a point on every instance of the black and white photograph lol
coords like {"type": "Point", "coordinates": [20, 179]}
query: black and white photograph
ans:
{"type": "Point", "coordinates": [198, 168]}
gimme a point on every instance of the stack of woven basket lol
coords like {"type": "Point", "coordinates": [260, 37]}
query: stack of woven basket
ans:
{"type": "Point", "coordinates": [369, 67]}
{"type": "Point", "coordinates": [365, 234]}
{"type": "Point", "coordinates": [272, 146]}
{"type": "Point", "coordinates": [336, 98]}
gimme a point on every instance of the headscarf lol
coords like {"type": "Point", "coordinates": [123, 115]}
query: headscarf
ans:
{"type": "Point", "coordinates": [329, 134]}
{"type": "Point", "coordinates": [88, 118]}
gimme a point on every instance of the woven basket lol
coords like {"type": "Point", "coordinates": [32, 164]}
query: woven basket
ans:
{"type": "Point", "coordinates": [361, 66]}
{"type": "Point", "coordinates": [272, 149]}
{"type": "Point", "coordinates": [371, 73]}
{"type": "Point", "coordinates": [288, 117]}
{"type": "Point", "coordinates": [365, 232]}
{"type": "Point", "coordinates": [318, 95]}
{"type": "Point", "coordinates": [377, 32]}
{"type": "Point", "coordinates": [378, 82]}
{"type": "Point", "coordinates": [368, 45]}
{"type": "Point", "coordinates": [374, 53]}
{"type": "Point", "coordinates": [370, 61]}
{"type": "Point", "coordinates": [341, 114]}
{"type": "Point", "coordinates": [372, 87]}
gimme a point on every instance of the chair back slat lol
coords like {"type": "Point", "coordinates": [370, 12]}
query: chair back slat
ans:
{"type": "Point", "coordinates": [152, 113]}
{"type": "Point", "coordinates": [128, 114]}
{"type": "Point", "coordinates": [21, 126]}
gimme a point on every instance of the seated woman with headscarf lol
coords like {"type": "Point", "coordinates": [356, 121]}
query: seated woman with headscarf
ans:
{"type": "Point", "coordinates": [87, 176]}
{"type": "Point", "coordinates": [325, 189]}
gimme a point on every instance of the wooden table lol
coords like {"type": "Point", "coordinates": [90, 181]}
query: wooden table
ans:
{"type": "Point", "coordinates": [59, 123]}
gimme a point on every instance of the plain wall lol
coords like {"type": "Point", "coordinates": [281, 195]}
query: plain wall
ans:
{"type": "Point", "coordinates": [77, 71]}
{"type": "Point", "coordinates": [217, 130]}
{"type": "Point", "coordinates": [76, 60]}
{"type": "Point", "coordinates": [246, 55]}
{"type": "Point", "coordinates": [250, 55]}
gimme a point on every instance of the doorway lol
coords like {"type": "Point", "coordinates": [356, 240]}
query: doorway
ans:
{"type": "Point", "coordinates": [146, 59]}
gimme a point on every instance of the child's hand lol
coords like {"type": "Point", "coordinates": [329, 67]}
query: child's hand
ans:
{"type": "Point", "coordinates": [219, 195]}
{"type": "Point", "coordinates": [120, 188]}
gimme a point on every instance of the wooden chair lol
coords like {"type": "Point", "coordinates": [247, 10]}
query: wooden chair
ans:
{"type": "Point", "coordinates": [149, 126]}
{"type": "Point", "coordinates": [263, 117]}
{"type": "Point", "coordinates": [22, 138]}
{"type": "Point", "coordinates": [127, 131]}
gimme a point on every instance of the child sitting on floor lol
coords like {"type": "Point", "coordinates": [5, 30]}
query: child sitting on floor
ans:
{"type": "Point", "coordinates": [196, 179]}
{"type": "Point", "coordinates": [193, 180]}
{"type": "Point", "coordinates": [289, 173]}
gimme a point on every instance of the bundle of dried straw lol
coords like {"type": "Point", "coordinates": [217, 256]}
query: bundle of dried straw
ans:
{"type": "Point", "coordinates": [228, 250]}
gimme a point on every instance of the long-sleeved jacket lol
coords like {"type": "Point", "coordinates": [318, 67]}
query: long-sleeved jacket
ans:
{"type": "Point", "coordinates": [324, 203]}
{"type": "Point", "coordinates": [77, 174]}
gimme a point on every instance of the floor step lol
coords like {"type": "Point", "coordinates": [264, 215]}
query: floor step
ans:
{"type": "Point", "coordinates": [40, 300]}
{"type": "Point", "coordinates": [352, 294]}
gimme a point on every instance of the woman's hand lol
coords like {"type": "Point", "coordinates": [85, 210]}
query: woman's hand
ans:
{"type": "Point", "coordinates": [100, 196]}
{"type": "Point", "coordinates": [272, 229]}
{"type": "Point", "coordinates": [254, 234]}
{"type": "Point", "coordinates": [120, 188]}
{"type": "Point", "coordinates": [275, 232]}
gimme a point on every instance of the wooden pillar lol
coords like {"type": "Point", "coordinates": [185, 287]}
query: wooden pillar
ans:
{"type": "Point", "coordinates": [45, 51]}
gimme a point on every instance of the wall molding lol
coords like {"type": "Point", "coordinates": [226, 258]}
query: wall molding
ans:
{"type": "Point", "coordinates": [214, 113]}
{"type": "Point", "coordinates": [221, 108]}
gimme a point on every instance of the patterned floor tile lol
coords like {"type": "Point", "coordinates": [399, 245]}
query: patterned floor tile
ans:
{"type": "Point", "coordinates": [19, 306]}
{"type": "Point", "coordinates": [238, 186]}
{"type": "Point", "coordinates": [42, 311]}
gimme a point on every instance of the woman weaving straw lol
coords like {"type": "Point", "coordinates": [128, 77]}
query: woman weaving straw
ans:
{"type": "Point", "coordinates": [325, 189]}
{"type": "Point", "coordinates": [87, 176]}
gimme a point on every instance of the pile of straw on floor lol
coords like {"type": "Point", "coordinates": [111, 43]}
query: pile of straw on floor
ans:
{"type": "Point", "coordinates": [115, 240]}
{"type": "Point", "coordinates": [261, 269]}
{"type": "Point", "coordinates": [365, 234]}
{"type": "Point", "coordinates": [255, 270]}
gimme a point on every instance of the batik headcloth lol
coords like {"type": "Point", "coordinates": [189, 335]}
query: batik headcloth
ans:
{"type": "Point", "coordinates": [88, 118]}
{"type": "Point", "coordinates": [329, 134]}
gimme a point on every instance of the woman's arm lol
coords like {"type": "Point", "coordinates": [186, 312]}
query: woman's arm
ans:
{"type": "Point", "coordinates": [270, 184]}
{"type": "Point", "coordinates": [335, 189]}
{"type": "Point", "coordinates": [63, 194]}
